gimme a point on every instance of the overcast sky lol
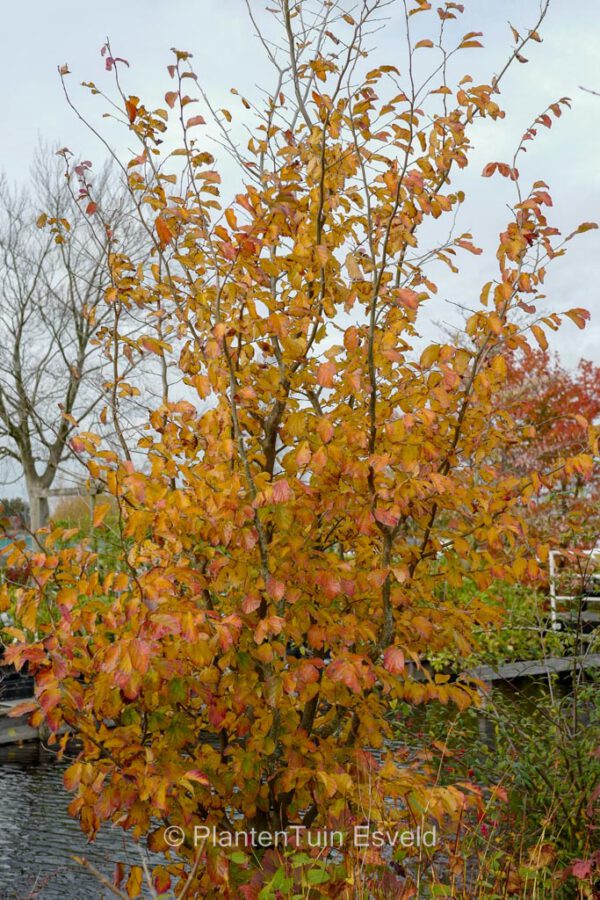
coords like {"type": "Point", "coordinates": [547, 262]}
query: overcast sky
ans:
{"type": "Point", "coordinates": [37, 36]}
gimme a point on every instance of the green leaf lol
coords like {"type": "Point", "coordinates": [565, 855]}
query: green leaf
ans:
{"type": "Point", "coordinates": [317, 876]}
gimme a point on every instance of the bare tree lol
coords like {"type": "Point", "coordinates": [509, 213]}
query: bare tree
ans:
{"type": "Point", "coordinates": [52, 310]}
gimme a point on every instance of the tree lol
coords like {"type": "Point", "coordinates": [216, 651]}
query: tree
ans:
{"type": "Point", "coordinates": [285, 543]}
{"type": "Point", "coordinates": [52, 312]}
{"type": "Point", "coordinates": [557, 410]}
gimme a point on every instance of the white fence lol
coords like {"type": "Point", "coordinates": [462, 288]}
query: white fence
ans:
{"type": "Point", "coordinates": [578, 570]}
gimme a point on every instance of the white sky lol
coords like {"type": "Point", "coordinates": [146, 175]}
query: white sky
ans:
{"type": "Point", "coordinates": [37, 36]}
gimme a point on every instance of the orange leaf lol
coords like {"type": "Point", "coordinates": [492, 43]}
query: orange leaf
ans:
{"type": "Point", "coordinates": [579, 316]}
{"type": "Point", "coordinates": [282, 492]}
{"type": "Point", "coordinates": [131, 108]}
{"type": "Point", "coordinates": [153, 345]}
{"type": "Point", "coordinates": [393, 660]}
{"type": "Point", "coordinates": [22, 709]}
{"type": "Point", "coordinates": [100, 514]}
{"type": "Point", "coordinates": [540, 336]}
{"type": "Point", "coordinates": [325, 374]}
{"type": "Point", "coordinates": [165, 235]}
{"type": "Point", "coordinates": [407, 297]}
{"type": "Point", "coordinates": [161, 880]}
{"type": "Point", "coordinates": [344, 671]}
{"type": "Point", "coordinates": [386, 517]}
{"type": "Point", "coordinates": [197, 776]}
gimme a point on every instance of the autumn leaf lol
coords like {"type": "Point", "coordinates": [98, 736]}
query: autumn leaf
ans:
{"type": "Point", "coordinates": [386, 517]}
{"type": "Point", "coordinates": [579, 316]}
{"type": "Point", "coordinates": [353, 267]}
{"type": "Point", "coordinates": [131, 107]}
{"type": "Point", "coordinates": [282, 491]}
{"type": "Point", "coordinates": [196, 776]}
{"type": "Point", "coordinates": [429, 356]}
{"type": "Point", "coordinates": [100, 513]}
{"type": "Point", "coordinates": [582, 869]}
{"type": "Point", "coordinates": [22, 709]}
{"type": "Point", "coordinates": [540, 336]}
{"type": "Point", "coordinates": [393, 660]}
{"type": "Point", "coordinates": [343, 670]}
{"type": "Point", "coordinates": [326, 373]}
{"type": "Point", "coordinates": [407, 297]}
{"type": "Point", "coordinates": [153, 345]}
{"type": "Point", "coordinates": [165, 235]}
{"type": "Point", "coordinates": [161, 880]}
{"type": "Point", "coordinates": [134, 882]}
{"type": "Point", "coordinates": [310, 498]}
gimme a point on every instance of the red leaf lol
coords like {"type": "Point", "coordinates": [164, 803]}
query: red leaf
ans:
{"type": "Point", "coordinates": [195, 775]}
{"type": "Point", "coordinates": [468, 245]}
{"type": "Point", "coordinates": [582, 869]}
{"type": "Point", "coordinates": [282, 492]}
{"type": "Point", "coordinates": [386, 517]}
{"type": "Point", "coordinates": [162, 881]}
{"type": "Point", "coordinates": [250, 603]}
{"type": "Point", "coordinates": [330, 583]}
{"type": "Point", "coordinates": [393, 660]}
{"type": "Point", "coordinates": [77, 444]}
{"type": "Point", "coordinates": [307, 670]}
{"type": "Point", "coordinates": [407, 297]}
{"type": "Point", "coordinates": [275, 588]}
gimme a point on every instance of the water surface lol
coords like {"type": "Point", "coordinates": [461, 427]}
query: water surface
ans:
{"type": "Point", "coordinates": [38, 837]}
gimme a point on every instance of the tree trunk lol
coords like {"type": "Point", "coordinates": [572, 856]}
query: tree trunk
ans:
{"type": "Point", "coordinates": [39, 509]}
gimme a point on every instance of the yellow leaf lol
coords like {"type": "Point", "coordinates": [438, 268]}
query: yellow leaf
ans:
{"type": "Point", "coordinates": [429, 356]}
{"type": "Point", "coordinates": [353, 268]}
{"type": "Point", "coordinates": [540, 336]}
{"type": "Point", "coordinates": [134, 882]}
{"type": "Point", "coordinates": [100, 513]}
